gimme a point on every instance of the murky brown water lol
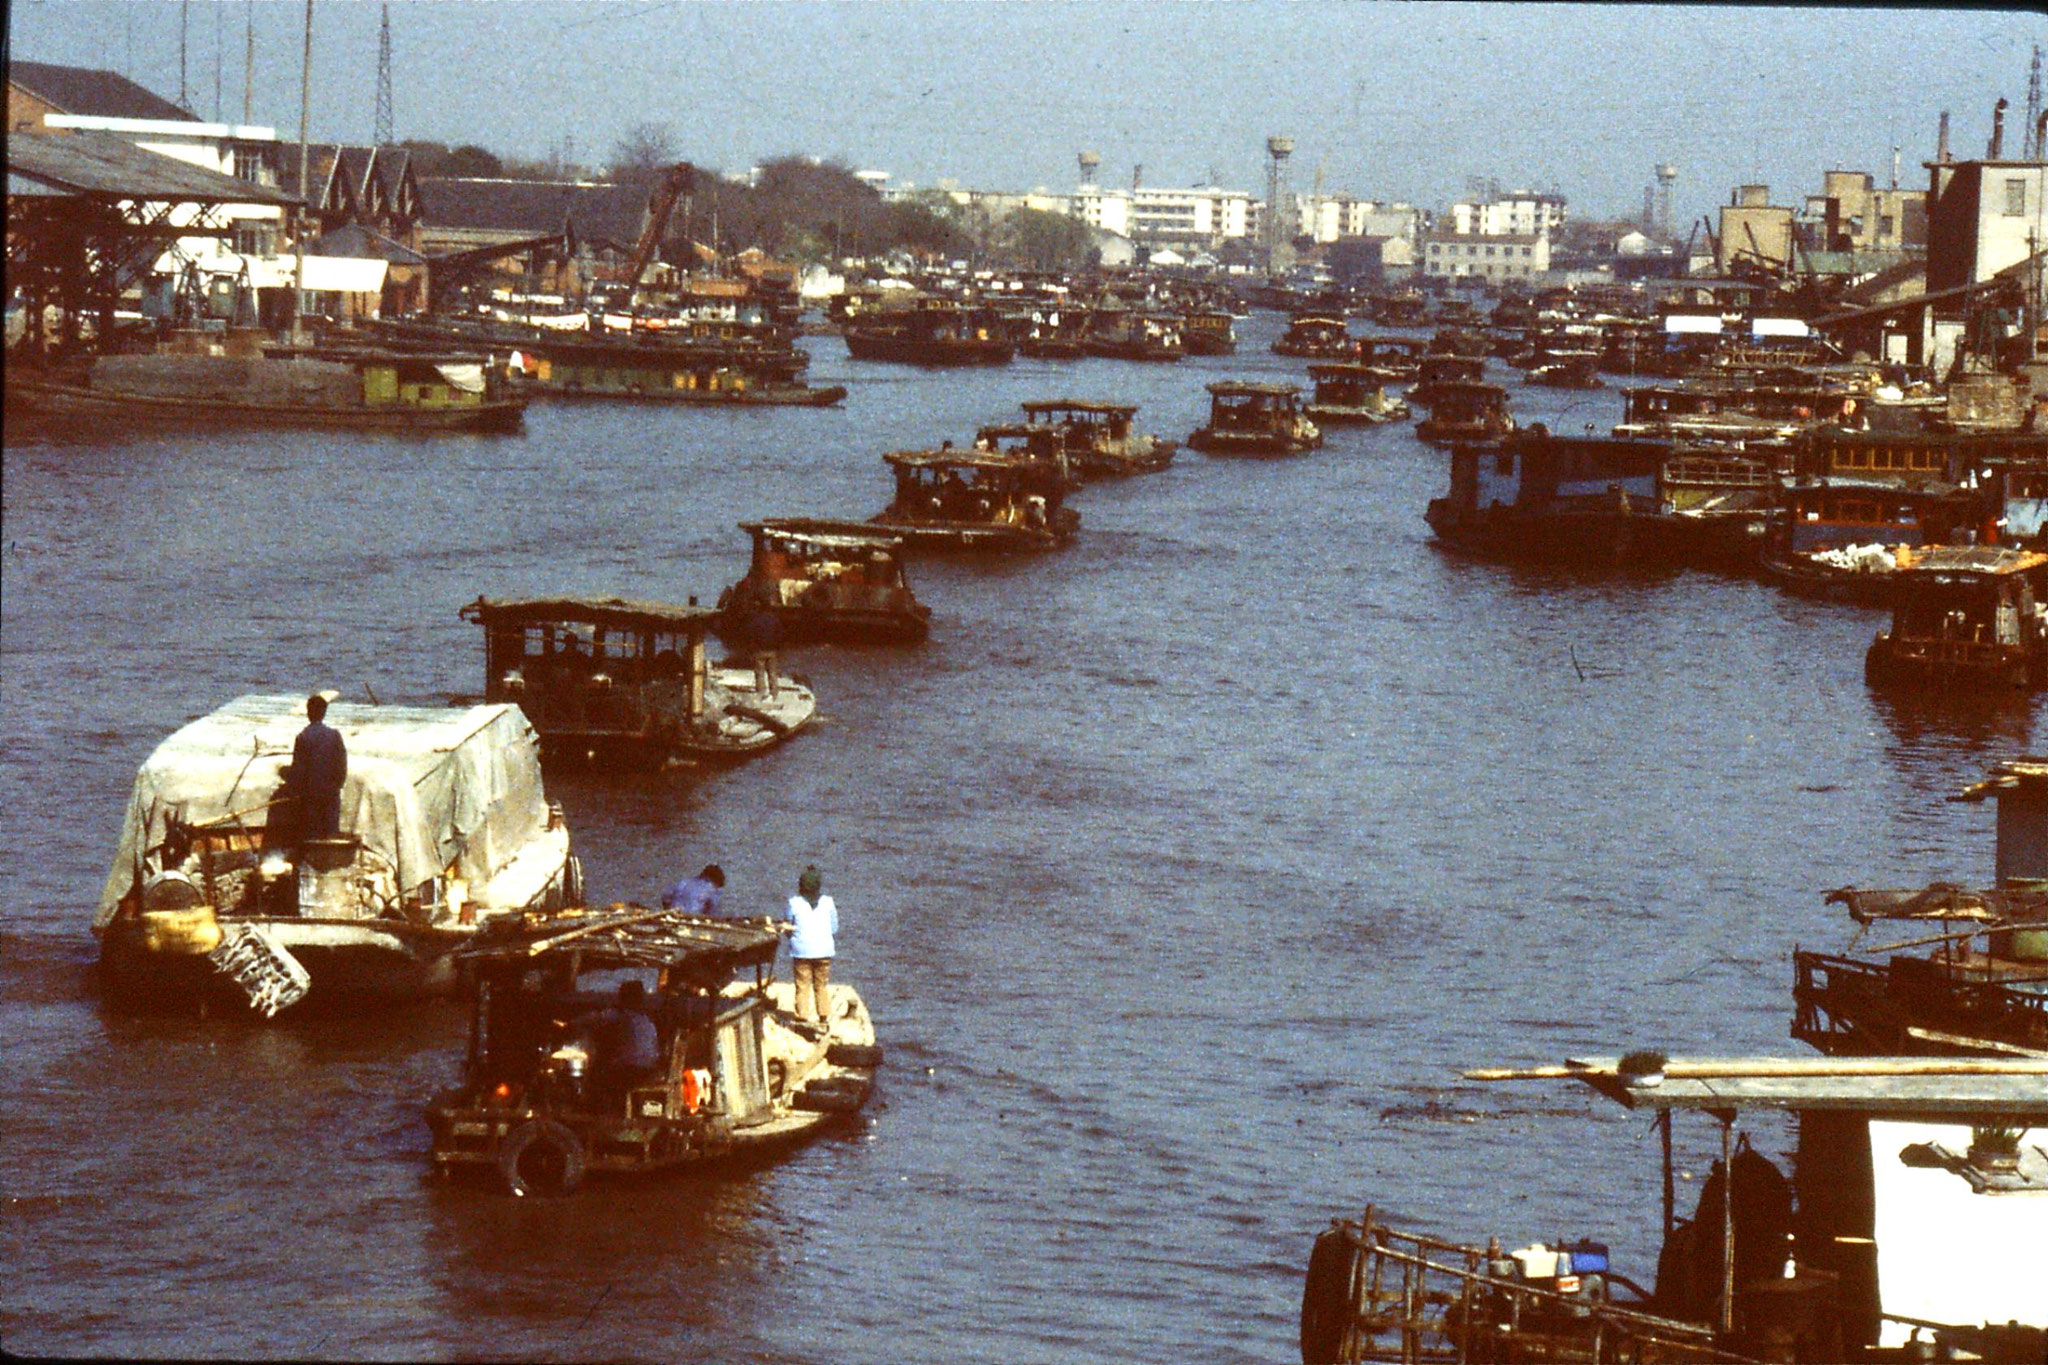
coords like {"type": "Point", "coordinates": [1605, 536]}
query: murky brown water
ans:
{"type": "Point", "coordinates": [1183, 871]}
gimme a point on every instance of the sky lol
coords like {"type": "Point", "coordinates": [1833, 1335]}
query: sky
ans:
{"type": "Point", "coordinates": [1395, 100]}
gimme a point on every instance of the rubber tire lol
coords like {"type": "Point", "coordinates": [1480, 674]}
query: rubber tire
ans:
{"type": "Point", "coordinates": [833, 1096]}
{"type": "Point", "coordinates": [866, 1056]}
{"type": "Point", "coordinates": [1326, 1298]}
{"type": "Point", "coordinates": [562, 1164]}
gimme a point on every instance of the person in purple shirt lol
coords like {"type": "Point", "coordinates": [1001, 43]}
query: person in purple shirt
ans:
{"type": "Point", "coordinates": [696, 895]}
{"type": "Point", "coordinates": [319, 770]}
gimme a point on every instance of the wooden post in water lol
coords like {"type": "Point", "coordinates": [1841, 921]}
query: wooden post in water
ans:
{"type": "Point", "coordinates": [1727, 1117]}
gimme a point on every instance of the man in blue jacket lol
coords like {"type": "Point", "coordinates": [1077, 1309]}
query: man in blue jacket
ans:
{"type": "Point", "coordinates": [319, 769]}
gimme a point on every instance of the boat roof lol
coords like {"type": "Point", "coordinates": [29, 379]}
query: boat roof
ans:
{"type": "Point", "coordinates": [596, 611]}
{"type": "Point", "coordinates": [1473, 387]}
{"type": "Point", "coordinates": [1015, 429]}
{"type": "Point", "coordinates": [941, 459]}
{"type": "Point", "coordinates": [627, 935]}
{"type": "Point", "coordinates": [823, 531]}
{"type": "Point", "coordinates": [1244, 388]}
{"type": "Point", "coordinates": [1080, 405]}
{"type": "Point", "coordinates": [1344, 369]}
{"type": "Point", "coordinates": [1990, 561]}
{"type": "Point", "coordinates": [1930, 1089]}
{"type": "Point", "coordinates": [1307, 319]}
{"type": "Point", "coordinates": [1941, 901]}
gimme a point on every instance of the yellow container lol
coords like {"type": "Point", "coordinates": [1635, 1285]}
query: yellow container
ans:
{"type": "Point", "coordinates": [192, 932]}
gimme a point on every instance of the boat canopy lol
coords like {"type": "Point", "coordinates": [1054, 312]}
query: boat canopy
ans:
{"type": "Point", "coordinates": [431, 790]}
{"type": "Point", "coordinates": [1344, 369]}
{"type": "Point", "coordinates": [702, 949]}
{"type": "Point", "coordinates": [832, 535]}
{"type": "Point", "coordinates": [1989, 561]}
{"type": "Point", "coordinates": [1077, 405]}
{"type": "Point", "coordinates": [1941, 902]}
{"type": "Point", "coordinates": [965, 459]}
{"type": "Point", "coordinates": [612, 612]}
{"type": "Point", "coordinates": [2007, 1090]}
{"type": "Point", "coordinates": [1241, 388]}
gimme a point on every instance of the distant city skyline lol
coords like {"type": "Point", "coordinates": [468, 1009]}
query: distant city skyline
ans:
{"type": "Point", "coordinates": [1393, 101]}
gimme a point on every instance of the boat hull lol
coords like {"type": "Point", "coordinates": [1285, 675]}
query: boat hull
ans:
{"type": "Point", "coordinates": [926, 351]}
{"type": "Point", "coordinates": [70, 402]}
{"type": "Point", "coordinates": [777, 396]}
{"type": "Point", "coordinates": [1211, 442]}
{"type": "Point", "coordinates": [1951, 666]}
{"type": "Point", "coordinates": [750, 622]}
{"type": "Point", "coordinates": [365, 963]}
{"type": "Point", "coordinates": [965, 537]}
{"type": "Point", "coordinates": [1606, 538]}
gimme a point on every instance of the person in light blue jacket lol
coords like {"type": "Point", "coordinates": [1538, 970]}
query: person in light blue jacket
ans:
{"type": "Point", "coordinates": [815, 919]}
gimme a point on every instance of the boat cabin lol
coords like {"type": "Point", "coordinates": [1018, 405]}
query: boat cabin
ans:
{"type": "Point", "coordinates": [1439, 374]}
{"type": "Point", "coordinates": [1211, 332]}
{"type": "Point", "coordinates": [1255, 419]}
{"type": "Point", "coordinates": [1834, 513]}
{"type": "Point", "coordinates": [1350, 392]}
{"type": "Point", "coordinates": [967, 499]}
{"type": "Point", "coordinates": [1900, 1221]}
{"type": "Point", "coordinates": [1466, 411]}
{"type": "Point", "coordinates": [622, 681]}
{"type": "Point", "coordinates": [1097, 437]}
{"type": "Point", "coordinates": [1966, 616]}
{"type": "Point", "coordinates": [822, 580]}
{"type": "Point", "coordinates": [1316, 335]}
{"type": "Point", "coordinates": [630, 1040]}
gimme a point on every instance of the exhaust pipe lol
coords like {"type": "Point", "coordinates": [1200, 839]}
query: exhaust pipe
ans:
{"type": "Point", "coordinates": [1997, 129]}
{"type": "Point", "coordinates": [1941, 140]}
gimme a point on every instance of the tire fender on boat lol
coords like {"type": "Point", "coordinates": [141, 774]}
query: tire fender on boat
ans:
{"type": "Point", "coordinates": [1326, 1312]}
{"type": "Point", "coordinates": [541, 1157]}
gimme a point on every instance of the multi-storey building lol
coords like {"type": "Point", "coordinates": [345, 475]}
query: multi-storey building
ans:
{"type": "Point", "coordinates": [1166, 217]}
{"type": "Point", "coordinates": [1334, 218]}
{"type": "Point", "coordinates": [1522, 213]}
{"type": "Point", "coordinates": [1486, 256]}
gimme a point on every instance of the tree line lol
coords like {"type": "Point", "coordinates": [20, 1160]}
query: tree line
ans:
{"type": "Point", "coordinates": [796, 208]}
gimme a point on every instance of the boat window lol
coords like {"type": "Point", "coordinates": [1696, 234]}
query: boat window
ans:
{"type": "Point", "coordinates": [535, 644]}
{"type": "Point", "coordinates": [620, 644]}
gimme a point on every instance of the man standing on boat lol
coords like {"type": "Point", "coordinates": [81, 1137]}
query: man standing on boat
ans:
{"type": "Point", "coordinates": [815, 919]}
{"type": "Point", "coordinates": [319, 768]}
{"type": "Point", "coordinates": [696, 895]}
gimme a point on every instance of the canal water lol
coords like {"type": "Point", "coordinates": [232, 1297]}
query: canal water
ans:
{"type": "Point", "coordinates": [1183, 871]}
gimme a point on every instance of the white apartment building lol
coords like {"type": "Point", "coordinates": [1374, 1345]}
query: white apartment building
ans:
{"type": "Point", "coordinates": [1491, 256]}
{"type": "Point", "coordinates": [1522, 213]}
{"type": "Point", "coordinates": [1166, 217]}
{"type": "Point", "coordinates": [1332, 218]}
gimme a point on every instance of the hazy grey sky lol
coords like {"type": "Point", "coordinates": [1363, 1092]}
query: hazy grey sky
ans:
{"type": "Point", "coordinates": [1393, 100]}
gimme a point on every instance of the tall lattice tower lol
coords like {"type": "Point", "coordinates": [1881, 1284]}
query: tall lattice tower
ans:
{"type": "Point", "coordinates": [2035, 151]}
{"type": "Point", "coordinates": [383, 135]}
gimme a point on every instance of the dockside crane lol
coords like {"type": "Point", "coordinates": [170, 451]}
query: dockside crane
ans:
{"type": "Point", "coordinates": [677, 181]}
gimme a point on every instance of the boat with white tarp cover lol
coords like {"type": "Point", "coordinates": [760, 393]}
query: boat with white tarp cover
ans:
{"type": "Point", "coordinates": [217, 892]}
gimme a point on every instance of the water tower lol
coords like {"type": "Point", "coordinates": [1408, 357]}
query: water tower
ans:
{"type": "Point", "coordinates": [1089, 161]}
{"type": "Point", "coordinates": [1667, 175]}
{"type": "Point", "coordinates": [1278, 149]}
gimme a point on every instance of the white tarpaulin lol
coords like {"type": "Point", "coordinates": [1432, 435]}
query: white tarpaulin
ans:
{"type": "Point", "coordinates": [429, 788]}
{"type": "Point", "coordinates": [1946, 1253]}
{"type": "Point", "coordinates": [468, 378]}
{"type": "Point", "coordinates": [1779, 327]}
{"type": "Point", "coordinates": [1679, 323]}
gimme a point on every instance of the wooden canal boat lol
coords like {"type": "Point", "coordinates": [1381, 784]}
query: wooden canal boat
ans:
{"type": "Point", "coordinates": [628, 683]}
{"type": "Point", "coordinates": [1844, 538]}
{"type": "Point", "coordinates": [1255, 419]}
{"type": "Point", "coordinates": [1318, 337]}
{"type": "Point", "coordinates": [822, 580]}
{"type": "Point", "coordinates": [1209, 332]}
{"type": "Point", "coordinates": [709, 376]}
{"type": "Point", "coordinates": [976, 501]}
{"type": "Point", "coordinates": [1098, 438]}
{"type": "Point", "coordinates": [220, 893]}
{"type": "Point", "coordinates": [542, 1105]}
{"type": "Point", "coordinates": [1117, 334]}
{"type": "Point", "coordinates": [1030, 441]}
{"type": "Point", "coordinates": [1438, 374]}
{"type": "Point", "coordinates": [936, 332]}
{"type": "Point", "coordinates": [1399, 359]}
{"type": "Point", "coordinates": [1469, 412]}
{"type": "Point", "coordinates": [1965, 617]}
{"type": "Point", "coordinates": [1057, 334]}
{"type": "Point", "coordinates": [1348, 393]}
{"type": "Point", "coordinates": [1555, 370]}
{"type": "Point", "coordinates": [1587, 500]}
{"type": "Point", "coordinates": [1832, 1253]}
{"type": "Point", "coordinates": [371, 391]}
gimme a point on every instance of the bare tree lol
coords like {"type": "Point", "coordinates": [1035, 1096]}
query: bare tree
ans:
{"type": "Point", "coordinates": [641, 154]}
